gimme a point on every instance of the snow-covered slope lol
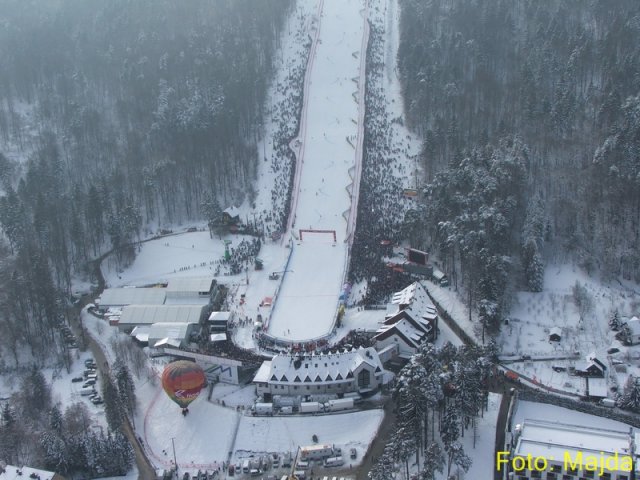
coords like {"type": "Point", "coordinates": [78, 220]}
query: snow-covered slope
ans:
{"type": "Point", "coordinates": [326, 156]}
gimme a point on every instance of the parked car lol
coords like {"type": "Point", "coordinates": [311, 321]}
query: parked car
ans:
{"type": "Point", "coordinates": [97, 400]}
{"type": "Point", "coordinates": [89, 363]}
{"type": "Point", "coordinates": [89, 383]}
{"type": "Point", "coordinates": [77, 379]}
{"type": "Point", "coordinates": [353, 453]}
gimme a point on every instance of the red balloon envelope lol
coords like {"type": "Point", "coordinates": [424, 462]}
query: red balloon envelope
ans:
{"type": "Point", "coordinates": [183, 380]}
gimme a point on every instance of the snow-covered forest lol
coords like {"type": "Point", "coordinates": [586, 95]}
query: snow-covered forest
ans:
{"type": "Point", "coordinates": [529, 117]}
{"type": "Point", "coordinates": [116, 116]}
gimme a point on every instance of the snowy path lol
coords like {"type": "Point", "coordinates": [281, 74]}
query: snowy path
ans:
{"type": "Point", "coordinates": [328, 152]}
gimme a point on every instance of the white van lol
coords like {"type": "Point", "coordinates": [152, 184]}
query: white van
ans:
{"type": "Point", "coordinates": [334, 462]}
{"type": "Point", "coordinates": [246, 466]}
{"type": "Point", "coordinates": [302, 465]}
{"type": "Point", "coordinates": [300, 474]}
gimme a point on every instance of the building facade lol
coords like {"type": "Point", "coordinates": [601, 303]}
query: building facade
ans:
{"type": "Point", "coordinates": [357, 370]}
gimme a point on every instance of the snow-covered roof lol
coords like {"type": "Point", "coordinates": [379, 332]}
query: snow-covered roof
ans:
{"type": "Point", "coordinates": [167, 342]}
{"type": "Point", "coordinates": [232, 211]}
{"type": "Point", "coordinates": [173, 330]}
{"type": "Point", "coordinates": [220, 316]}
{"type": "Point", "coordinates": [189, 285]}
{"type": "Point", "coordinates": [634, 326]}
{"type": "Point", "coordinates": [405, 329]}
{"type": "Point", "coordinates": [9, 472]}
{"type": "Point", "coordinates": [597, 387]}
{"type": "Point", "coordinates": [323, 368]}
{"type": "Point", "coordinates": [141, 333]}
{"type": "Point", "coordinates": [148, 314]}
{"type": "Point", "coordinates": [132, 296]}
{"type": "Point", "coordinates": [552, 439]}
{"type": "Point", "coordinates": [413, 297]}
{"type": "Point", "coordinates": [263, 373]}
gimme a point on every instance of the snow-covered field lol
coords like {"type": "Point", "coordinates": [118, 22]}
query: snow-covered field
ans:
{"type": "Point", "coordinates": [533, 314]}
{"type": "Point", "coordinates": [268, 434]}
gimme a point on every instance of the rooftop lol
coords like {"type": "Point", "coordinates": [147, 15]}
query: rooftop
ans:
{"type": "Point", "coordinates": [132, 296]}
{"type": "Point", "coordinates": [148, 314]}
{"type": "Point", "coordinates": [323, 368]}
{"type": "Point", "coordinates": [553, 439]}
{"type": "Point", "coordinates": [190, 285]}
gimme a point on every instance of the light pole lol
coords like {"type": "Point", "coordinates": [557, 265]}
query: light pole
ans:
{"type": "Point", "coordinates": [175, 461]}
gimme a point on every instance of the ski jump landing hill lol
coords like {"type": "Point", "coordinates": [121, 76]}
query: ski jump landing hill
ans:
{"type": "Point", "coordinates": [328, 163]}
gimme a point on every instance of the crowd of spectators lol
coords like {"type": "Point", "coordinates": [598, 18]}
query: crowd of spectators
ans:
{"type": "Point", "coordinates": [382, 205]}
{"type": "Point", "coordinates": [285, 115]}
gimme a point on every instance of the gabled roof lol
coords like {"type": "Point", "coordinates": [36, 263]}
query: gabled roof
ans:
{"type": "Point", "coordinates": [405, 330]}
{"type": "Point", "coordinates": [634, 326]}
{"type": "Point", "coordinates": [321, 368]}
{"type": "Point", "coordinates": [414, 296]}
{"type": "Point", "coordinates": [232, 212]}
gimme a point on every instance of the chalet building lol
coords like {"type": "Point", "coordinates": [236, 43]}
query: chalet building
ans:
{"type": "Point", "coordinates": [358, 370]}
{"type": "Point", "coordinates": [231, 216]}
{"type": "Point", "coordinates": [555, 334]}
{"type": "Point", "coordinates": [411, 319]}
{"type": "Point", "coordinates": [593, 366]}
{"type": "Point", "coordinates": [631, 331]}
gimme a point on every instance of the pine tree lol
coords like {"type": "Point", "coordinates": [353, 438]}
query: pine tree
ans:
{"type": "Point", "coordinates": [456, 456]}
{"type": "Point", "coordinates": [614, 322]}
{"type": "Point", "coordinates": [630, 398]}
{"type": "Point", "coordinates": [126, 387]}
{"type": "Point", "coordinates": [433, 462]}
{"type": "Point", "coordinates": [113, 408]}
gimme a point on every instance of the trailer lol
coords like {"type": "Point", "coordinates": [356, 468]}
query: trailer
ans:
{"type": "Point", "coordinates": [263, 408]}
{"type": "Point", "coordinates": [310, 407]}
{"type": "Point", "coordinates": [316, 452]}
{"type": "Point", "coordinates": [339, 404]}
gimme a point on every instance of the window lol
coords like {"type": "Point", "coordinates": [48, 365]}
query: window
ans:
{"type": "Point", "coordinates": [364, 379]}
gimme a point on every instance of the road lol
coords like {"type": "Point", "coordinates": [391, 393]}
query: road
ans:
{"type": "Point", "coordinates": [146, 470]}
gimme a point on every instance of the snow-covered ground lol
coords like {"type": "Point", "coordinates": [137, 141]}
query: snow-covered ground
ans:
{"type": "Point", "coordinates": [267, 434]}
{"type": "Point", "coordinates": [533, 314]}
{"type": "Point", "coordinates": [308, 298]}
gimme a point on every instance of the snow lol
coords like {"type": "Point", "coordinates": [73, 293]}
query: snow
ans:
{"type": "Point", "coordinates": [552, 413]}
{"type": "Point", "coordinates": [483, 453]}
{"type": "Point", "coordinates": [269, 434]}
{"type": "Point", "coordinates": [326, 158]}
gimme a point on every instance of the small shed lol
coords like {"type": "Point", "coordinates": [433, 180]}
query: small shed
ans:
{"type": "Point", "coordinates": [231, 216]}
{"type": "Point", "coordinates": [632, 331]}
{"type": "Point", "coordinates": [555, 334]}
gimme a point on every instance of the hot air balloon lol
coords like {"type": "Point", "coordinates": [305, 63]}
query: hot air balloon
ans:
{"type": "Point", "coordinates": [183, 380]}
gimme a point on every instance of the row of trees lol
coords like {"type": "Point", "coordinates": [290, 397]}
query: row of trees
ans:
{"type": "Point", "coordinates": [547, 91]}
{"type": "Point", "coordinates": [36, 432]}
{"type": "Point", "coordinates": [444, 388]}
